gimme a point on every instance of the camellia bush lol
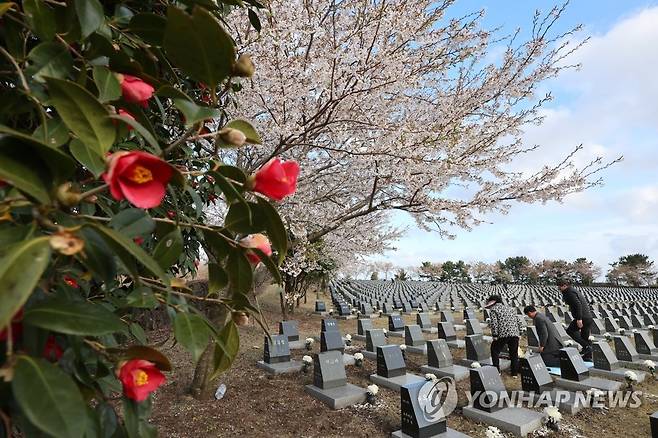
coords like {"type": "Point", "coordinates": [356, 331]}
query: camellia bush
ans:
{"type": "Point", "coordinates": [112, 118]}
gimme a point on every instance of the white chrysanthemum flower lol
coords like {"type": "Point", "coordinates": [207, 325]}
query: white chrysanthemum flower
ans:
{"type": "Point", "coordinates": [358, 356]}
{"type": "Point", "coordinates": [630, 376]}
{"type": "Point", "coordinates": [385, 331]}
{"type": "Point", "coordinates": [622, 331]}
{"type": "Point", "coordinates": [476, 365]}
{"type": "Point", "coordinates": [634, 331]}
{"type": "Point", "coordinates": [430, 376]}
{"type": "Point", "coordinates": [568, 343]}
{"type": "Point", "coordinates": [348, 337]}
{"type": "Point", "coordinates": [591, 338]}
{"type": "Point", "coordinates": [493, 432]}
{"type": "Point", "coordinates": [403, 347]}
{"type": "Point", "coordinates": [310, 340]}
{"type": "Point", "coordinates": [372, 389]}
{"type": "Point", "coordinates": [651, 326]}
{"type": "Point", "coordinates": [617, 319]}
{"type": "Point", "coordinates": [607, 335]}
{"type": "Point", "coordinates": [553, 413]}
{"type": "Point", "coordinates": [488, 320]}
{"type": "Point", "coordinates": [307, 359]}
{"type": "Point", "coordinates": [650, 364]}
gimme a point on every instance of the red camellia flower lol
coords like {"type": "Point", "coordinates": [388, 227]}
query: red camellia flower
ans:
{"type": "Point", "coordinates": [71, 282]}
{"type": "Point", "coordinates": [135, 90]}
{"type": "Point", "coordinates": [16, 327]}
{"type": "Point", "coordinates": [258, 241]}
{"type": "Point", "coordinates": [52, 351]}
{"type": "Point", "coordinates": [277, 179]}
{"type": "Point", "coordinates": [140, 378]}
{"type": "Point", "coordinates": [138, 240]}
{"type": "Point", "coordinates": [139, 177]}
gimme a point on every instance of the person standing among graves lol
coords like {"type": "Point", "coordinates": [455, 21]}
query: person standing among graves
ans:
{"type": "Point", "coordinates": [506, 328]}
{"type": "Point", "coordinates": [549, 339]}
{"type": "Point", "coordinates": [580, 327]}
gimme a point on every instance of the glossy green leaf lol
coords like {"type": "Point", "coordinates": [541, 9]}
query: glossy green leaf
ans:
{"type": "Point", "coordinates": [139, 128]}
{"type": "Point", "coordinates": [218, 244]}
{"type": "Point", "coordinates": [231, 191]}
{"type": "Point", "coordinates": [276, 230]}
{"type": "Point", "coordinates": [98, 257]}
{"type": "Point", "coordinates": [149, 27]}
{"type": "Point", "coordinates": [217, 278]}
{"type": "Point", "coordinates": [227, 345]}
{"type": "Point", "coordinates": [55, 134]}
{"type": "Point", "coordinates": [128, 251]}
{"type": "Point", "coordinates": [232, 173]}
{"type": "Point", "coordinates": [247, 129]}
{"type": "Point", "coordinates": [4, 7]}
{"type": "Point", "coordinates": [195, 113]}
{"type": "Point", "coordinates": [83, 114]}
{"type": "Point", "coordinates": [107, 84]}
{"type": "Point", "coordinates": [49, 59]}
{"type": "Point", "coordinates": [199, 45]}
{"type": "Point", "coordinates": [90, 15]}
{"type": "Point", "coordinates": [133, 222]}
{"type": "Point", "coordinates": [138, 333]}
{"type": "Point", "coordinates": [73, 318]}
{"type": "Point", "coordinates": [28, 174]}
{"type": "Point", "coordinates": [143, 352]}
{"type": "Point", "coordinates": [169, 248]}
{"type": "Point", "coordinates": [20, 271]}
{"type": "Point", "coordinates": [142, 297]}
{"type": "Point", "coordinates": [49, 398]}
{"type": "Point", "coordinates": [269, 264]}
{"type": "Point", "coordinates": [41, 18]}
{"type": "Point", "coordinates": [191, 332]}
{"type": "Point", "coordinates": [88, 157]}
{"type": "Point", "coordinates": [242, 218]}
{"type": "Point", "coordinates": [239, 271]}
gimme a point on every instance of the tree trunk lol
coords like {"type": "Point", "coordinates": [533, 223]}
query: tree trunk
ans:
{"type": "Point", "coordinates": [282, 301]}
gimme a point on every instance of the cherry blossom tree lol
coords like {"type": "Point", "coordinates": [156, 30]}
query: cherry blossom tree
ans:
{"type": "Point", "coordinates": [396, 106]}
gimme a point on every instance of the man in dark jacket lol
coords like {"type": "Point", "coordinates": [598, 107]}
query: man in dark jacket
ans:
{"type": "Point", "coordinates": [579, 329]}
{"type": "Point", "coordinates": [505, 330]}
{"type": "Point", "coordinates": [549, 339]}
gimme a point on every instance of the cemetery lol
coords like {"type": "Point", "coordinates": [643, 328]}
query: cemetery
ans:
{"type": "Point", "coordinates": [319, 218]}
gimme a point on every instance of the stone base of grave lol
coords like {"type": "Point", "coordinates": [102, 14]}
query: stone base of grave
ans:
{"type": "Point", "coordinates": [653, 356]}
{"type": "Point", "coordinates": [345, 317]}
{"type": "Point", "coordinates": [393, 334]}
{"type": "Point", "coordinates": [412, 313]}
{"type": "Point", "coordinates": [360, 338]}
{"type": "Point", "coordinates": [457, 343]}
{"type": "Point", "coordinates": [588, 383]}
{"type": "Point", "coordinates": [369, 355]}
{"type": "Point", "coordinates": [317, 339]}
{"type": "Point", "coordinates": [321, 313]}
{"type": "Point", "coordinates": [292, 366]}
{"type": "Point", "coordinates": [338, 398]}
{"type": "Point", "coordinates": [390, 314]}
{"type": "Point", "coordinates": [617, 374]}
{"type": "Point", "coordinates": [418, 349]}
{"type": "Point", "coordinates": [449, 433]}
{"type": "Point", "coordinates": [371, 316]}
{"type": "Point", "coordinates": [504, 364]}
{"type": "Point", "coordinates": [518, 421]}
{"type": "Point", "coordinates": [635, 365]}
{"type": "Point", "coordinates": [459, 327]}
{"type": "Point", "coordinates": [430, 330]}
{"type": "Point", "coordinates": [571, 405]}
{"type": "Point", "coordinates": [394, 383]}
{"type": "Point", "coordinates": [297, 345]}
{"type": "Point", "coordinates": [456, 372]}
{"type": "Point", "coordinates": [487, 338]}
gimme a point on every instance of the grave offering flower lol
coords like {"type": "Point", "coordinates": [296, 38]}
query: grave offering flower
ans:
{"type": "Point", "coordinates": [607, 336]}
{"type": "Point", "coordinates": [430, 376]}
{"type": "Point", "coordinates": [307, 361]}
{"type": "Point", "coordinates": [371, 393]}
{"type": "Point", "coordinates": [348, 339]}
{"type": "Point", "coordinates": [276, 179]}
{"type": "Point", "coordinates": [139, 177]}
{"type": "Point", "coordinates": [631, 378]}
{"type": "Point", "coordinates": [358, 359]}
{"type": "Point", "coordinates": [493, 432]}
{"type": "Point", "coordinates": [553, 417]}
{"type": "Point", "coordinates": [634, 331]}
{"type": "Point", "coordinates": [309, 343]}
{"type": "Point", "coordinates": [650, 326]}
{"type": "Point", "coordinates": [622, 331]}
{"type": "Point", "coordinates": [591, 338]}
{"type": "Point", "coordinates": [385, 332]}
{"type": "Point", "coordinates": [568, 343]}
{"type": "Point", "coordinates": [476, 365]}
{"type": "Point", "coordinates": [135, 90]}
{"type": "Point", "coordinates": [140, 378]}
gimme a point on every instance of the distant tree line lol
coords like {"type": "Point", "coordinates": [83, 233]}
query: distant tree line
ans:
{"type": "Point", "coordinates": [630, 270]}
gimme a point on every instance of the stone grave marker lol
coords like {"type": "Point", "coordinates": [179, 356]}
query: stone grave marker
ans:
{"type": "Point", "coordinates": [534, 375]}
{"type": "Point", "coordinates": [423, 320]}
{"type": "Point", "coordinates": [329, 325]}
{"type": "Point", "coordinates": [446, 331]}
{"type": "Point", "coordinates": [413, 336]}
{"type": "Point", "coordinates": [644, 344]}
{"type": "Point", "coordinates": [477, 349]}
{"type": "Point", "coordinates": [390, 362]}
{"type": "Point", "coordinates": [487, 387]}
{"type": "Point", "coordinates": [438, 354]}
{"type": "Point", "coordinates": [331, 341]}
{"type": "Point", "coordinates": [603, 357]}
{"type": "Point", "coordinates": [625, 350]}
{"type": "Point", "coordinates": [473, 327]}
{"type": "Point", "coordinates": [363, 325]}
{"type": "Point", "coordinates": [572, 366]}
{"type": "Point", "coordinates": [290, 329]}
{"type": "Point", "coordinates": [276, 350]}
{"type": "Point", "coordinates": [320, 306]}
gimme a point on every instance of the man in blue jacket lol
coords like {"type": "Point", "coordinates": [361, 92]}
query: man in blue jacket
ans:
{"type": "Point", "coordinates": [579, 329]}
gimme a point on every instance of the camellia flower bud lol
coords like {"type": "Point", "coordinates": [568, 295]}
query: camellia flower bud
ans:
{"type": "Point", "coordinates": [233, 137]}
{"type": "Point", "coordinates": [66, 196]}
{"type": "Point", "coordinates": [244, 67]}
{"type": "Point", "coordinates": [258, 241]}
{"type": "Point", "coordinates": [240, 318]}
{"type": "Point", "coordinates": [66, 243]}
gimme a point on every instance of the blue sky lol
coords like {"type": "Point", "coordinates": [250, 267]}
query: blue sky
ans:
{"type": "Point", "coordinates": [611, 107]}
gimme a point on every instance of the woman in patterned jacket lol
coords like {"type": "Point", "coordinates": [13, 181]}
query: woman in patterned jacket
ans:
{"type": "Point", "coordinates": [506, 328]}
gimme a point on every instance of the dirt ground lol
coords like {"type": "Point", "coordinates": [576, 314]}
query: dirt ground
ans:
{"type": "Point", "coordinates": [257, 405]}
